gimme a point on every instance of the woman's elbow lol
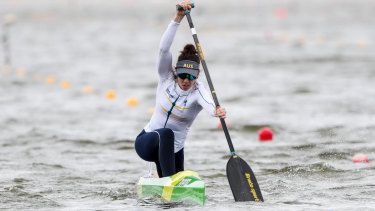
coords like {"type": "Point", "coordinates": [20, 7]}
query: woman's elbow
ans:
{"type": "Point", "coordinates": [163, 51]}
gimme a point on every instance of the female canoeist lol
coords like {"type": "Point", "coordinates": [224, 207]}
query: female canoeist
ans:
{"type": "Point", "coordinates": [179, 99]}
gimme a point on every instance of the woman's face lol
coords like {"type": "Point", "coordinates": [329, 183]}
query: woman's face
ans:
{"type": "Point", "coordinates": [185, 84]}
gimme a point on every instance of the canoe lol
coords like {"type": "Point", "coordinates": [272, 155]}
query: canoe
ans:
{"type": "Point", "coordinates": [183, 186]}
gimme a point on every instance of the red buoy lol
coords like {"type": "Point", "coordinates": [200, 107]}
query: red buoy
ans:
{"type": "Point", "coordinates": [265, 134]}
{"type": "Point", "coordinates": [360, 158]}
{"type": "Point", "coordinates": [281, 13]}
{"type": "Point", "coordinates": [221, 126]}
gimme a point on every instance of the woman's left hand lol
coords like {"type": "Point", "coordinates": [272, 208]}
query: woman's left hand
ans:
{"type": "Point", "coordinates": [185, 5]}
{"type": "Point", "coordinates": [221, 112]}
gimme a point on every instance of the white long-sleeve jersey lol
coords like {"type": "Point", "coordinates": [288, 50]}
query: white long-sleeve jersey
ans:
{"type": "Point", "coordinates": [182, 106]}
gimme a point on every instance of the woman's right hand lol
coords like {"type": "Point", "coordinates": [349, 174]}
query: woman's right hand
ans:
{"type": "Point", "coordinates": [186, 5]}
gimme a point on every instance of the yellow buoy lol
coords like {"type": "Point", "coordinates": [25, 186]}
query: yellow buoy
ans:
{"type": "Point", "coordinates": [65, 84]}
{"type": "Point", "coordinates": [5, 70]}
{"type": "Point", "coordinates": [341, 43]}
{"type": "Point", "coordinates": [21, 72]}
{"type": "Point", "coordinates": [50, 79]}
{"type": "Point", "coordinates": [9, 19]}
{"type": "Point", "coordinates": [88, 90]}
{"type": "Point", "coordinates": [37, 77]}
{"type": "Point", "coordinates": [151, 110]}
{"type": "Point", "coordinates": [111, 95]}
{"type": "Point", "coordinates": [284, 37]}
{"type": "Point", "coordinates": [320, 40]}
{"type": "Point", "coordinates": [132, 101]}
{"type": "Point", "coordinates": [302, 40]}
{"type": "Point", "coordinates": [361, 44]}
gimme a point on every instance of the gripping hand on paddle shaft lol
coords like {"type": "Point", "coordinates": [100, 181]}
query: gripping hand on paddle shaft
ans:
{"type": "Point", "coordinates": [221, 112]}
{"type": "Point", "coordinates": [180, 13]}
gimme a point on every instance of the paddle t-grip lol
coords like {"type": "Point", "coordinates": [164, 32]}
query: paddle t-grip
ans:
{"type": "Point", "coordinates": [180, 8]}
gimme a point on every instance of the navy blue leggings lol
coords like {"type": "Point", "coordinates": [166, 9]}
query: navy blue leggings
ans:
{"type": "Point", "coordinates": [158, 146]}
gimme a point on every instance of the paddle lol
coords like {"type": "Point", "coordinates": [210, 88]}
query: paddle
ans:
{"type": "Point", "coordinates": [241, 178]}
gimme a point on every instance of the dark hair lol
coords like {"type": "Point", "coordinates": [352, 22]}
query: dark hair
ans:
{"type": "Point", "coordinates": [189, 53]}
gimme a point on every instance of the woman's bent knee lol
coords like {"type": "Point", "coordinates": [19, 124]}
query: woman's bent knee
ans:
{"type": "Point", "coordinates": [147, 146]}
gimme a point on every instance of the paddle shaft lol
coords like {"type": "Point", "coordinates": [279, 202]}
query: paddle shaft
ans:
{"type": "Point", "coordinates": [213, 92]}
{"type": "Point", "coordinates": [241, 178]}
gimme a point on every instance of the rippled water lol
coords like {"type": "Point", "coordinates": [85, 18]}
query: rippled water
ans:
{"type": "Point", "coordinates": [310, 77]}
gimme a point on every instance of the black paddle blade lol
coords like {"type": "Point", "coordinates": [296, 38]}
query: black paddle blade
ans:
{"type": "Point", "coordinates": [242, 180]}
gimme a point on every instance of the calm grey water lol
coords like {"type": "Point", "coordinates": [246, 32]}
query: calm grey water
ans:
{"type": "Point", "coordinates": [309, 76]}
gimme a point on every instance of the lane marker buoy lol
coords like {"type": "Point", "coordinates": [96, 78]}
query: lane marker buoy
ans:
{"type": "Point", "coordinates": [88, 90]}
{"type": "Point", "coordinates": [265, 134]}
{"type": "Point", "coordinates": [65, 84]}
{"type": "Point", "coordinates": [360, 158]}
{"type": "Point", "coordinates": [50, 79]}
{"type": "Point", "coordinates": [132, 101]}
{"type": "Point", "coordinates": [111, 95]}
